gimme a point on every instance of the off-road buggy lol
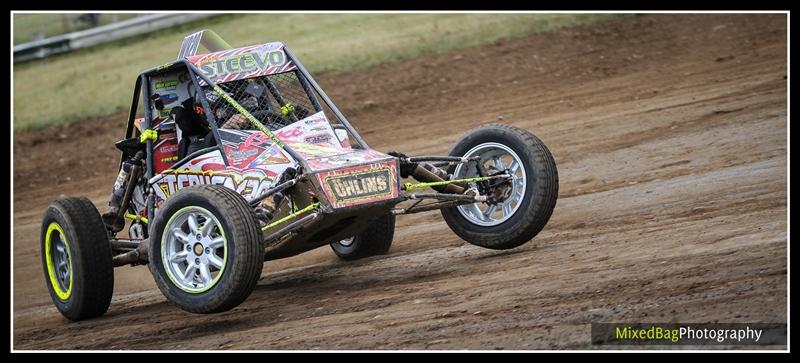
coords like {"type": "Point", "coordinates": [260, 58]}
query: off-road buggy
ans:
{"type": "Point", "coordinates": [240, 157]}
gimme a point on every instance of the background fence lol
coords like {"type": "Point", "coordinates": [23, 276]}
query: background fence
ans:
{"type": "Point", "coordinates": [120, 26]}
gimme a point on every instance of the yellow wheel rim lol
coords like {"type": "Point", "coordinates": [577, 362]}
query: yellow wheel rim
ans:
{"type": "Point", "coordinates": [49, 244]}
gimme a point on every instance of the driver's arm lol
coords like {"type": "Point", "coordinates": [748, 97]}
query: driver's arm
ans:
{"type": "Point", "coordinates": [236, 122]}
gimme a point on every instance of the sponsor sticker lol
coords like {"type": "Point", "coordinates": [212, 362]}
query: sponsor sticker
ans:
{"type": "Point", "coordinates": [370, 183]}
{"type": "Point", "coordinates": [243, 62]}
{"type": "Point", "coordinates": [167, 85]}
{"type": "Point", "coordinates": [322, 138]}
{"type": "Point", "coordinates": [359, 185]}
{"type": "Point", "coordinates": [169, 98]}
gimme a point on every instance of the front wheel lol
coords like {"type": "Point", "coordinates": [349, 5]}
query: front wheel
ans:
{"type": "Point", "coordinates": [205, 249]}
{"type": "Point", "coordinates": [520, 207]}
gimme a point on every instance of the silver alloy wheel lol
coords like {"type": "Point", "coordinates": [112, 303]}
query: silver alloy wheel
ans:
{"type": "Point", "coordinates": [193, 249]}
{"type": "Point", "coordinates": [495, 157]}
{"type": "Point", "coordinates": [347, 241]}
{"type": "Point", "coordinates": [61, 262]}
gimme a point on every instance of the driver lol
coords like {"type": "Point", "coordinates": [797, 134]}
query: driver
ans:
{"type": "Point", "coordinates": [195, 132]}
{"type": "Point", "coordinates": [237, 121]}
{"type": "Point", "coordinates": [254, 98]}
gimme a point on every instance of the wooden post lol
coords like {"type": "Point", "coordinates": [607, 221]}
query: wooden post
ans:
{"type": "Point", "coordinates": [66, 22]}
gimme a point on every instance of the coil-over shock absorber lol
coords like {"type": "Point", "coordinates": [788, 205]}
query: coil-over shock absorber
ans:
{"type": "Point", "coordinates": [426, 173]}
{"type": "Point", "coordinates": [123, 190]}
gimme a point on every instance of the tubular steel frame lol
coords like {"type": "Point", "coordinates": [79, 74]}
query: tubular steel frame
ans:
{"type": "Point", "coordinates": [312, 211]}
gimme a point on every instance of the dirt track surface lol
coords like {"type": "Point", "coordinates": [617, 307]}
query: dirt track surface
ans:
{"type": "Point", "coordinates": [670, 136]}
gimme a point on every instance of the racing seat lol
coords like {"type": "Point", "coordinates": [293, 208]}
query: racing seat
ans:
{"type": "Point", "coordinates": [195, 132]}
{"type": "Point", "coordinates": [190, 144]}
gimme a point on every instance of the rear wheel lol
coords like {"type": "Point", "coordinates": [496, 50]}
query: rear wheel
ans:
{"type": "Point", "coordinates": [205, 250]}
{"type": "Point", "coordinates": [76, 259]}
{"type": "Point", "coordinates": [519, 208]}
{"type": "Point", "coordinates": [375, 240]}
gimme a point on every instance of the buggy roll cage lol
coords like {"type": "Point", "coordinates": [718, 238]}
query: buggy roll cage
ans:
{"type": "Point", "coordinates": [142, 89]}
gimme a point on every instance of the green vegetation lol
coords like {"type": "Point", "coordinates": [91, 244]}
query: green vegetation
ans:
{"type": "Point", "coordinates": [99, 81]}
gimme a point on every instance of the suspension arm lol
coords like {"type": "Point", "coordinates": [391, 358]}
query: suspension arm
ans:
{"type": "Point", "coordinates": [411, 186]}
{"type": "Point", "coordinates": [455, 159]}
{"type": "Point", "coordinates": [291, 216]}
{"type": "Point", "coordinates": [427, 207]}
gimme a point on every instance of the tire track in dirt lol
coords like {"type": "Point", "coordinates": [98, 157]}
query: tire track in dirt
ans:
{"type": "Point", "coordinates": [670, 136]}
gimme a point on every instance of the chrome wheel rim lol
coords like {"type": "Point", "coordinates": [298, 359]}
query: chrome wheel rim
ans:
{"type": "Point", "coordinates": [194, 249]}
{"type": "Point", "coordinates": [347, 242]}
{"type": "Point", "coordinates": [495, 157]}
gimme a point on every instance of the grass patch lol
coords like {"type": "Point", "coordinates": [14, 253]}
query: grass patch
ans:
{"type": "Point", "coordinates": [99, 81]}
